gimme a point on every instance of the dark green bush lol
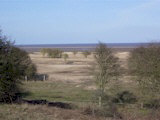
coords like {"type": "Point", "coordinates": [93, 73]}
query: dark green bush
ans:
{"type": "Point", "coordinates": [125, 97]}
{"type": "Point", "coordinates": [27, 68]}
{"type": "Point", "coordinates": [54, 53]}
{"type": "Point", "coordinates": [14, 64]}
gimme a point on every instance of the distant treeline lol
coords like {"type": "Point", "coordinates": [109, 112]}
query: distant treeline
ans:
{"type": "Point", "coordinates": [52, 53]}
{"type": "Point", "coordinates": [70, 49]}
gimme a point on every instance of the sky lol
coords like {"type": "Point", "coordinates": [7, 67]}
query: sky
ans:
{"type": "Point", "coordinates": [80, 21]}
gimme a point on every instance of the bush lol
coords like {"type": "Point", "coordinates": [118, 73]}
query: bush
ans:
{"type": "Point", "coordinates": [43, 51]}
{"type": "Point", "coordinates": [125, 97]}
{"type": "Point", "coordinates": [75, 52]}
{"type": "Point", "coordinates": [144, 63]}
{"type": "Point", "coordinates": [65, 56]}
{"type": "Point", "coordinates": [13, 66]}
{"type": "Point", "coordinates": [54, 53]}
{"type": "Point", "coordinates": [86, 53]}
{"type": "Point", "coordinates": [27, 68]}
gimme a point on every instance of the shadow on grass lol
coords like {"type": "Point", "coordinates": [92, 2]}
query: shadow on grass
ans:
{"type": "Point", "coordinates": [19, 100]}
{"type": "Point", "coordinates": [48, 103]}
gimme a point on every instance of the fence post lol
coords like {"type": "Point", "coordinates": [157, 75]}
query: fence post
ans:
{"type": "Point", "coordinates": [26, 79]}
{"type": "Point", "coordinates": [44, 77]}
{"type": "Point", "coordinates": [100, 101]}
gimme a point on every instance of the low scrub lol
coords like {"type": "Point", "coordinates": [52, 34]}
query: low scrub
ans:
{"type": "Point", "coordinates": [125, 97]}
{"type": "Point", "coordinates": [54, 53]}
{"type": "Point", "coordinates": [86, 53]}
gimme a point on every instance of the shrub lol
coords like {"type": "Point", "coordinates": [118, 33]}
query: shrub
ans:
{"type": "Point", "coordinates": [65, 56]}
{"type": "Point", "coordinates": [75, 52]}
{"type": "Point", "coordinates": [43, 51]}
{"type": "Point", "coordinates": [54, 53]}
{"type": "Point", "coordinates": [125, 97]}
{"type": "Point", "coordinates": [27, 68]}
{"type": "Point", "coordinates": [107, 110]}
{"type": "Point", "coordinates": [13, 66]}
{"type": "Point", "coordinates": [86, 53]}
{"type": "Point", "coordinates": [144, 63]}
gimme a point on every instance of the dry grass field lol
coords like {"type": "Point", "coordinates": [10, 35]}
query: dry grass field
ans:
{"type": "Point", "coordinates": [77, 69]}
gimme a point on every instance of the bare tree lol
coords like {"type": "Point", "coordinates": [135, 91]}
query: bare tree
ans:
{"type": "Point", "coordinates": [107, 68]}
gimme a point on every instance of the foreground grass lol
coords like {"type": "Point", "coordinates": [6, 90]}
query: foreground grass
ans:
{"type": "Point", "coordinates": [57, 91]}
{"type": "Point", "coordinates": [43, 112]}
{"type": "Point", "coordinates": [39, 112]}
{"type": "Point", "coordinates": [65, 92]}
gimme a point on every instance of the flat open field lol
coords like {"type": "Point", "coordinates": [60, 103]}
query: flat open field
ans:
{"type": "Point", "coordinates": [77, 68]}
{"type": "Point", "coordinates": [72, 80]}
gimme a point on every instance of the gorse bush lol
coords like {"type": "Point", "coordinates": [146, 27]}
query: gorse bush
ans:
{"type": "Point", "coordinates": [14, 64]}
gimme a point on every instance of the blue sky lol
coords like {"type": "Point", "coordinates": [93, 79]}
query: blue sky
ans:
{"type": "Point", "coordinates": [80, 21]}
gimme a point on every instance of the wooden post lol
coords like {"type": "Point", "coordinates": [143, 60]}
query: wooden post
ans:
{"type": "Point", "coordinates": [142, 105]}
{"type": "Point", "coordinates": [44, 77]}
{"type": "Point", "coordinates": [26, 79]}
{"type": "Point", "coordinates": [100, 101]}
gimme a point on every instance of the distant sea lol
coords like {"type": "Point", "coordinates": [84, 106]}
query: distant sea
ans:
{"type": "Point", "coordinates": [80, 47]}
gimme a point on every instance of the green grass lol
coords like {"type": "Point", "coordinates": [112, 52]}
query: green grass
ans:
{"type": "Point", "coordinates": [57, 91]}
